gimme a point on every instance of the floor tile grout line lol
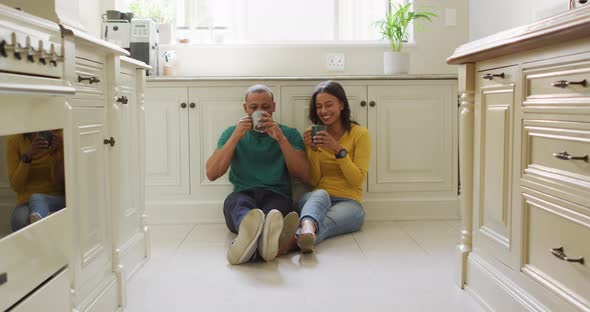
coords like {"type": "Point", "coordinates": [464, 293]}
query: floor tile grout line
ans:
{"type": "Point", "coordinates": [187, 235]}
{"type": "Point", "coordinates": [414, 240]}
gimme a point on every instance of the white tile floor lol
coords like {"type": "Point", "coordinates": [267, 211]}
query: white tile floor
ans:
{"type": "Point", "coordinates": [388, 266]}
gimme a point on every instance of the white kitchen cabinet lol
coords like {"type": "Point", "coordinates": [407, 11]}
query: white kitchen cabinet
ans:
{"type": "Point", "coordinates": [184, 126]}
{"type": "Point", "coordinates": [110, 239]}
{"type": "Point", "coordinates": [525, 129]}
{"type": "Point", "coordinates": [406, 180]}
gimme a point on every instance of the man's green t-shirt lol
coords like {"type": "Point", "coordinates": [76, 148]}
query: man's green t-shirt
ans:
{"type": "Point", "coordinates": [258, 161]}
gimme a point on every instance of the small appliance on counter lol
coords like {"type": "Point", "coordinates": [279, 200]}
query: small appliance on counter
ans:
{"type": "Point", "coordinates": [117, 32]}
{"type": "Point", "coordinates": [144, 42]}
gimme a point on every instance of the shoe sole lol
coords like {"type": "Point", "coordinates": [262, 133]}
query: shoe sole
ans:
{"type": "Point", "coordinates": [306, 242]}
{"type": "Point", "coordinates": [268, 244]}
{"type": "Point", "coordinates": [244, 245]}
{"type": "Point", "coordinates": [290, 225]}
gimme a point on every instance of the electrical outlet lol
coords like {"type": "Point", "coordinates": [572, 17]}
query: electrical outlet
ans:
{"type": "Point", "coordinates": [335, 61]}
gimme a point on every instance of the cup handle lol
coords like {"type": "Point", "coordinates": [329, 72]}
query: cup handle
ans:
{"type": "Point", "coordinates": [104, 17]}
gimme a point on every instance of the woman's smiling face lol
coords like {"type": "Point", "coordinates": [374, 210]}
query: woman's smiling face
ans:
{"type": "Point", "coordinates": [328, 108]}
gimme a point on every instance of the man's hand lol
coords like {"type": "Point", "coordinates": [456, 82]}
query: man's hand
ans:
{"type": "Point", "coordinates": [243, 126]}
{"type": "Point", "coordinates": [272, 127]}
{"type": "Point", "coordinates": [325, 140]}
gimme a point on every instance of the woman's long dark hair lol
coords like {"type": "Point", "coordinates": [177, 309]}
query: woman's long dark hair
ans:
{"type": "Point", "coordinates": [335, 89]}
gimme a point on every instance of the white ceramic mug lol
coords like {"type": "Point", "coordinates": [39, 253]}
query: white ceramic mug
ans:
{"type": "Point", "coordinates": [256, 123]}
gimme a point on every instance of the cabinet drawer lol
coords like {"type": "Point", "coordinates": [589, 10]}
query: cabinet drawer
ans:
{"type": "Point", "coordinates": [556, 231]}
{"type": "Point", "coordinates": [498, 76]}
{"type": "Point", "coordinates": [558, 81]}
{"type": "Point", "coordinates": [89, 79]}
{"type": "Point", "coordinates": [31, 255]}
{"type": "Point", "coordinates": [52, 296]}
{"type": "Point", "coordinates": [548, 145]}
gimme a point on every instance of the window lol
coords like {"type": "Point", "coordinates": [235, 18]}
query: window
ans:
{"type": "Point", "coordinates": [272, 21]}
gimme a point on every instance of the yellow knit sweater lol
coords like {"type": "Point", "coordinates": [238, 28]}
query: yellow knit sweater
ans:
{"type": "Point", "coordinates": [342, 177]}
{"type": "Point", "coordinates": [37, 177]}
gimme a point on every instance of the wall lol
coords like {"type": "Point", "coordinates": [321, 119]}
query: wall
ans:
{"type": "Point", "coordinates": [489, 17]}
{"type": "Point", "coordinates": [433, 46]}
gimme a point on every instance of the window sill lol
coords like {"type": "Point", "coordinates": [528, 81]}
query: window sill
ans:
{"type": "Point", "coordinates": [328, 44]}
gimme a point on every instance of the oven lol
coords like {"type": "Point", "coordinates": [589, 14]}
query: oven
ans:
{"type": "Point", "coordinates": [33, 98]}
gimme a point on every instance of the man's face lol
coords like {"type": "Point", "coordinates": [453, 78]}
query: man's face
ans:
{"type": "Point", "coordinates": [259, 101]}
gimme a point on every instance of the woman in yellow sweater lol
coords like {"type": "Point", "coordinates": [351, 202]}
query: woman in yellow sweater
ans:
{"type": "Point", "coordinates": [35, 164]}
{"type": "Point", "coordinates": [339, 159]}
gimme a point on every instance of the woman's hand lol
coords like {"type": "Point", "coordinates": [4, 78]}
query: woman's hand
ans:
{"type": "Point", "coordinates": [38, 144]}
{"type": "Point", "coordinates": [325, 140]}
{"type": "Point", "coordinates": [57, 143]}
{"type": "Point", "coordinates": [307, 139]}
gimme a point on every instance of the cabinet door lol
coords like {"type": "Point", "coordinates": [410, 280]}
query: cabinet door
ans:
{"type": "Point", "coordinates": [413, 133]}
{"type": "Point", "coordinates": [92, 260]}
{"type": "Point", "coordinates": [295, 102]}
{"type": "Point", "coordinates": [493, 163]}
{"type": "Point", "coordinates": [123, 160]}
{"type": "Point", "coordinates": [214, 109]}
{"type": "Point", "coordinates": [167, 142]}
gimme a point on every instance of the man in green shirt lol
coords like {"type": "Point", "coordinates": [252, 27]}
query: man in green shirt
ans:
{"type": "Point", "coordinates": [262, 162]}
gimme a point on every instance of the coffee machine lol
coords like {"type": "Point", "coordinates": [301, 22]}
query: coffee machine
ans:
{"type": "Point", "coordinates": [143, 42]}
{"type": "Point", "coordinates": [117, 32]}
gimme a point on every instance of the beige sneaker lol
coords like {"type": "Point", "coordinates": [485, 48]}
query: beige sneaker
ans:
{"type": "Point", "coordinates": [306, 242]}
{"type": "Point", "coordinates": [268, 242]}
{"type": "Point", "coordinates": [244, 246]}
{"type": "Point", "coordinates": [290, 225]}
{"type": "Point", "coordinates": [34, 217]}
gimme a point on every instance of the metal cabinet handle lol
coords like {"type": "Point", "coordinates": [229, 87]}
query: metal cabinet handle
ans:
{"type": "Point", "coordinates": [110, 141]}
{"type": "Point", "coordinates": [565, 156]}
{"type": "Point", "coordinates": [363, 103]}
{"type": "Point", "coordinates": [491, 76]}
{"type": "Point", "coordinates": [559, 253]}
{"type": "Point", "coordinates": [122, 99]}
{"type": "Point", "coordinates": [3, 278]}
{"type": "Point", "coordinates": [372, 103]}
{"type": "Point", "coordinates": [192, 105]}
{"type": "Point", "coordinates": [90, 80]}
{"type": "Point", "coordinates": [183, 105]}
{"type": "Point", "coordinates": [565, 83]}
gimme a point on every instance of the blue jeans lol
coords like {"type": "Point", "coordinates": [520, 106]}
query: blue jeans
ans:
{"type": "Point", "coordinates": [332, 215]}
{"type": "Point", "coordinates": [38, 203]}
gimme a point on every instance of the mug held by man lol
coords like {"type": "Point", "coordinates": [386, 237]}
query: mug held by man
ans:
{"type": "Point", "coordinates": [257, 122]}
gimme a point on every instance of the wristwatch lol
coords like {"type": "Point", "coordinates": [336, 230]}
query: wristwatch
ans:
{"type": "Point", "coordinates": [25, 159]}
{"type": "Point", "coordinates": [341, 153]}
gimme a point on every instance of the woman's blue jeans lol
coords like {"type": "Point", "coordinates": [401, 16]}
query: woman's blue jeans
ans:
{"type": "Point", "coordinates": [38, 203]}
{"type": "Point", "coordinates": [332, 215]}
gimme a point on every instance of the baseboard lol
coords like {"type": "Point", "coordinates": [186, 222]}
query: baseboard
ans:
{"type": "Point", "coordinates": [179, 212]}
{"type": "Point", "coordinates": [106, 301]}
{"type": "Point", "coordinates": [494, 291]}
{"type": "Point", "coordinates": [133, 255]}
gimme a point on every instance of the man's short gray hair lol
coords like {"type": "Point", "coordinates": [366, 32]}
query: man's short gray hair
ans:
{"type": "Point", "coordinates": [259, 89]}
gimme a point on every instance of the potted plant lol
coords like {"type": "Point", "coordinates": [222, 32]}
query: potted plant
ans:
{"type": "Point", "coordinates": [394, 27]}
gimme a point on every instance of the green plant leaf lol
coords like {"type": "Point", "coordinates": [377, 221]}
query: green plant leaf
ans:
{"type": "Point", "coordinates": [398, 18]}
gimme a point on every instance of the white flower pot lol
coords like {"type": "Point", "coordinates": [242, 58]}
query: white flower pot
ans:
{"type": "Point", "coordinates": [396, 63]}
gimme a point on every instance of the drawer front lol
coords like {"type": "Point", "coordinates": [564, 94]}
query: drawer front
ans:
{"type": "Point", "coordinates": [498, 76]}
{"type": "Point", "coordinates": [33, 254]}
{"type": "Point", "coordinates": [89, 80]}
{"type": "Point", "coordinates": [556, 155]}
{"type": "Point", "coordinates": [556, 231]}
{"type": "Point", "coordinates": [563, 81]}
{"type": "Point", "coordinates": [52, 296]}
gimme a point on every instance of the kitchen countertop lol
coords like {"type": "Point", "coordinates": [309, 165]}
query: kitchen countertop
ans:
{"type": "Point", "coordinates": [302, 78]}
